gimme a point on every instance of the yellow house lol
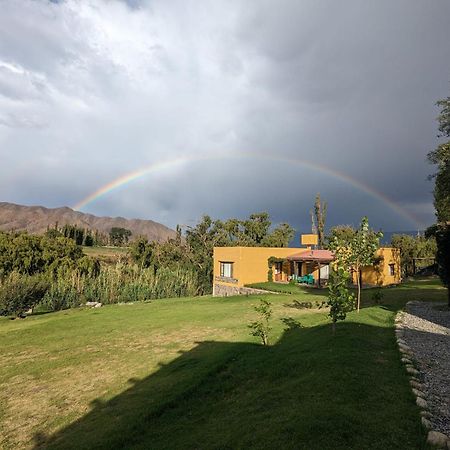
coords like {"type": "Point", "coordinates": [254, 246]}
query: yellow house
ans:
{"type": "Point", "coordinates": [236, 267]}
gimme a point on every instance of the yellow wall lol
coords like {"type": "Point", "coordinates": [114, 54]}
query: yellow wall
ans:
{"type": "Point", "coordinates": [250, 265]}
{"type": "Point", "coordinates": [378, 274]}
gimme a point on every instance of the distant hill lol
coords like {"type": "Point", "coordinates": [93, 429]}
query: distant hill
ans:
{"type": "Point", "coordinates": [36, 219]}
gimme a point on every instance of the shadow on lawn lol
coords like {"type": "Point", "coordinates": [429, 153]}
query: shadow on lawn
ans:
{"type": "Point", "coordinates": [308, 391]}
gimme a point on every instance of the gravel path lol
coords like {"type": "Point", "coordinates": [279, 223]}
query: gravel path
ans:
{"type": "Point", "coordinates": [427, 331]}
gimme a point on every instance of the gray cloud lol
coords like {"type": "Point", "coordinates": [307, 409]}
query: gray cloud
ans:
{"type": "Point", "coordinates": [92, 90]}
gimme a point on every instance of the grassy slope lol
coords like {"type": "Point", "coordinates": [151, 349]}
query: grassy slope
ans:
{"type": "Point", "coordinates": [285, 288]}
{"type": "Point", "coordinates": [185, 373]}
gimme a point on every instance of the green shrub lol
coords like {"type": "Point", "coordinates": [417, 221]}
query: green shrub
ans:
{"type": "Point", "coordinates": [261, 327]}
{"type": "Point", "coordinates": [377, 296]}
{"type": "Point", "coordinates": [117, 284]}
{"type": "Point", "coordinates": [61, 295]}
{"type": "Point", "coordinates": [19, 293]}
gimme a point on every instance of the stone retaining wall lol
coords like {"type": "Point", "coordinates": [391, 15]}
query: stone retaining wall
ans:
{"type": "Point", "coordinates": [221, 290]}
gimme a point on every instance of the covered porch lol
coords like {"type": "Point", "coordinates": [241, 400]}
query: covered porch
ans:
{"type": "Point", "coordinates": [311, 266]}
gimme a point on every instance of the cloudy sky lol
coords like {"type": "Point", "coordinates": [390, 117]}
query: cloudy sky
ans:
{"type": "Point", "coordinates": [223, 107]}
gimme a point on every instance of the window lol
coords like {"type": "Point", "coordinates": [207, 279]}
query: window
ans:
{"type": "Point", "coordinates": [278, 267]}
{"type": "Point", "coordinates": [226, 269]}
{"type": "Point", "coordinates": [392, 270]}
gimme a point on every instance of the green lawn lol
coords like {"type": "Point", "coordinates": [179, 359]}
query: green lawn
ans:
{"type": "Point", "coordinates": [185, 373]}
{"type": "Point", "coordinates": [285, 288]}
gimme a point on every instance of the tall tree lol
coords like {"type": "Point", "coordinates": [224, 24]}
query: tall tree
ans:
{"type": "Point", "coordinates": [441, 157]}
{"type": "Point", "coordinates": [119, 236]}
{"type": "Point", "coordinates": [358, 252]}
{"type": "Point", "coordinates": [280, 236]}
{"type": "Point", "coordinates": [320, 214]}
{"type": "Point", "coordinates": [363, 247]}
{"type": "Point", "coordinates": [412, 247]}
{"type": "Point", "coordinates": [256, 227]}
{"type": "Point", "coordinates": [344, 233]}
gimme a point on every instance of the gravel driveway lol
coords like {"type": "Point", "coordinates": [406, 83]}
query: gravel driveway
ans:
{"type": "Point", "coordinates": [427, 332]}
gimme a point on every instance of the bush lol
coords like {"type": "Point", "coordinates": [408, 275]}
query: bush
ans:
{"type": "Point", "coordinates": [19, 293]}
{"type": "Point", "coordinates": [261, 328]}
{"type": "Point", "coordinates": [377, 296]}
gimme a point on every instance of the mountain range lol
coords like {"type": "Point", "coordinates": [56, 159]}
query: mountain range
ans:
{"type": "Point", "coordinates": [37, 219]}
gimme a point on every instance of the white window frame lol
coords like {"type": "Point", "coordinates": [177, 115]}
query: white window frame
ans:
{"type": "Point", "coordinates": [226, 269]}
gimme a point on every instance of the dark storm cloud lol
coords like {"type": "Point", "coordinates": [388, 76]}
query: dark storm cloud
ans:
{"type": "Point", "coordinates": [92, 90]}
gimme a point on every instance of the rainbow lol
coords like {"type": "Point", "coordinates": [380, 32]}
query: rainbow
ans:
{"type": "Point", "coordinates": [179, 161]}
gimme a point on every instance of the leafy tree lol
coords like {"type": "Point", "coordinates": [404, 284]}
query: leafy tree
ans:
{"type": "Point", "coordinates": [280, 236]}
{"type": "Point", "coordinates": [345, 233]}
{"type": "Point", "coordinates": [74, 232]}
{"type": "Point", "coordinates": [88, 240]}
{"type": "Point", "coordinates": [89, 266]}
{"type": "Point", "coordinates": [119, 236]}
{"type": "Point", "coordinates": [443, 255]}
{"type": "Point", "coordinates": [441, 157]}
{"type": "Point", "coordinates": [60, 252]}
{"type": "Point", "coordinates": [340, 300]}
{"type": "Point", "coordinates": [358, 252]}
{"type": "Point", "coordinates": [412, 247]}
{"type": "Point", "coordinates": [256, 228]}
{"type": "Point", "coordinates": [201, 241]}
{"type": "Point", "coordinates": [141, 252]}
{"type": "Point", "coordinates": [31, 254]}
{"type": "Point", "coordinates": [53, 233]}
{"type": "Point", "coordinates": [261, 327]}
{"type": "Point", "coordinates": [363, 247]}
{"type": "Point", "coordinates": [20, 293]}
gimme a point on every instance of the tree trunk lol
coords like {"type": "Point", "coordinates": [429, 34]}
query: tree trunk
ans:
{"type": "Point", "coordinates": [358, 280]}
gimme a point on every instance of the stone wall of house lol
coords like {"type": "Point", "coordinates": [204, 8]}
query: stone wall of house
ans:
{"type": "Point", "coordinates": [222, 290]}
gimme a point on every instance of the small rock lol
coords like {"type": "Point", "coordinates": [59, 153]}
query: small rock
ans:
{"type": "Point", "coordinates": [412, 371]}
{"type": "Point", "coordinates": [426, 423]}
{"type": "Point", "coordinates": [412, 302]}
{"type": "Point", "coordinates": [94, 304]}
{"type": "Point", "coordinates": [425, 414]}
{"type": "Point", "coordinates": [405, 348]}
{"type": "Point", "coordinates": [406, 360]}
{"type": "Point", "coordinates": [437, 439]}
{"type": "Point", "coordinates": [415, 384]}
{"type": "Point", "coordinates": [402, 342]}
{"type": "Point", "coordinates": [418, 393]}
{"type": "Point", "coordinates": [422, 403]}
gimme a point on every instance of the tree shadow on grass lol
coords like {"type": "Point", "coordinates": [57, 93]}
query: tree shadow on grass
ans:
{"type": "Point", "coordinates": [308, 391]}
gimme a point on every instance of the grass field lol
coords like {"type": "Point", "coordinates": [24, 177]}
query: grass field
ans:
{"type": "Point", "coordinates": [106, 254]}
{"type": "Point", "coordinates": [285, 288]}
{"type": "Point", "coordinates": [185, 373]}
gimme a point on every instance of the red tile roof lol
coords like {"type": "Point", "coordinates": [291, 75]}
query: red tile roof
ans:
{"type": "Point", "coordinates": [313, 255]}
